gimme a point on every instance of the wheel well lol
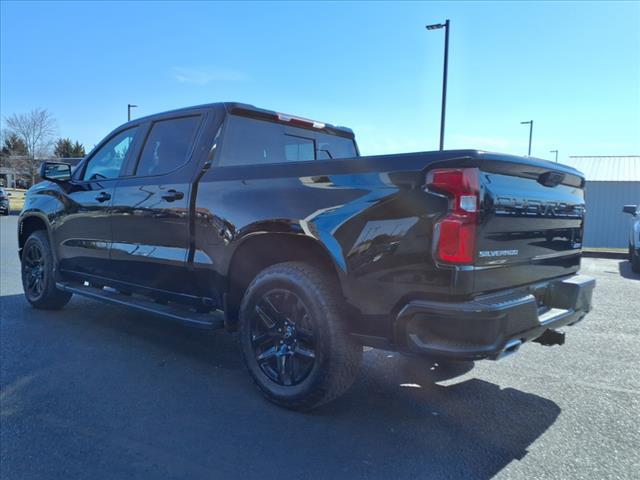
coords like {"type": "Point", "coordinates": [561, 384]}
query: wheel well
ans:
{"type": "Point", "coordinates": [262, 251]}
{"type": "Point", "coordinates": [27, 227]}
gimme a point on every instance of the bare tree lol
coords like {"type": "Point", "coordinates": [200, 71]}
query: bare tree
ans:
{"type": "Point", "coordinates": [36, 129]}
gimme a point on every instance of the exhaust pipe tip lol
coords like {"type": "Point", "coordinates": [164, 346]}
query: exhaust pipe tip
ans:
{"type": "Point", "coordinates": [509, 349]}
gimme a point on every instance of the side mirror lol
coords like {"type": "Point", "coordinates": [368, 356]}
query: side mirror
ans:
{"type": "Point", "coordinates": [631, 209]}
{"type": "Point", "coordinates": [55, 171]}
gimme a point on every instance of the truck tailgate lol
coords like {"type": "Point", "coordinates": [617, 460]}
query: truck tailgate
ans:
{"type": "Point", "coordinates": [530, 225]}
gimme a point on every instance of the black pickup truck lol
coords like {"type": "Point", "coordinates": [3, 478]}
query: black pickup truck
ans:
{"type": "Point", "coordinates": [309, 250]}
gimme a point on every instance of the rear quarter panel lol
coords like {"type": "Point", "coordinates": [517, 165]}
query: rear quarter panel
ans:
{"type": "Point", "coordinates": [369, 214]}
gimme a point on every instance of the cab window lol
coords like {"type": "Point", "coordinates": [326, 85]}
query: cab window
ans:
{"type": "Point", "coordinates": [249, 141]}
{"type": "Point", "coordinates": [168, 145]}
{"type": "Point", "coordinates": [298, 149]}
{"type": "Point", "coordinates": [108, 160]}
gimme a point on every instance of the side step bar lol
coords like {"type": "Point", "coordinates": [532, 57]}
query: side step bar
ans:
{"type": "Point", "coordinates": [171, 311]}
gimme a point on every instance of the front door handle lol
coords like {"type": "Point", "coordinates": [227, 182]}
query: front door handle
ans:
{"type": "Point", "coordinates": [103, 197]}
{"type": "Point", "coordinates": [172, 195]}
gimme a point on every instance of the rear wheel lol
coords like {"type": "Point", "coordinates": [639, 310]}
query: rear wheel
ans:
{"type": "Point", "coordinates": [293, 337]}
{"type": "Point", "coordinates": [38, 274]}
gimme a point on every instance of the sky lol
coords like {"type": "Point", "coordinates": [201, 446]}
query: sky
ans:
{"type": "Point", "coordinates": [572, 67]}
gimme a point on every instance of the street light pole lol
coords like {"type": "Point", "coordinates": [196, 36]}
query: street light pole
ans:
{"type": "Point", "coordinates": [556, 152]}
{"type": "Point", "coordinates": [530, 122]}
{"type": "Point", "coordinates": [443, 111]}
{"type": "Point", "coordinates": [129, 107]}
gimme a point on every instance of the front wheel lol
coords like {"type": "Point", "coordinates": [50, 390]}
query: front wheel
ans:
{"type": "Point", "coordinates": [293, 336]}
{"type": "Point", "coordinates": [38, 274]}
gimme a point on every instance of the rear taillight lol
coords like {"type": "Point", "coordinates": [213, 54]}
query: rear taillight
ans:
{"type": "Point", "coordinates": [456, 232]}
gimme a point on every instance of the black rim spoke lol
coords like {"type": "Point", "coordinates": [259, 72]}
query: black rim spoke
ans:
{"type": "Point", "coordinates": [282, 370]}
{"type": "Point", "coordinates": [34, 270]}
{"type": "Point", "coordinates": [262, 339]}
{"type": "Point", "coordinates": [287, 373]}
{"type": "Point", "coordinates": [267, 355]}
{"type": "Point", "coordinates": [268, 318]}
{"type": "Point", "coordinates": [282, 338]}
{"type": "Point", "coordinates": [303, 352]}
{"type": "Point", "coordinates": [272, 311]}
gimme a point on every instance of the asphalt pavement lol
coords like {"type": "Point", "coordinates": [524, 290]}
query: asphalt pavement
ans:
{"type": "Point", "coordinates": [97, 392]}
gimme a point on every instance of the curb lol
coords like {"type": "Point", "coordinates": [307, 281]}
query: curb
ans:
{"type": "Point", "coordinates": [605, 254]}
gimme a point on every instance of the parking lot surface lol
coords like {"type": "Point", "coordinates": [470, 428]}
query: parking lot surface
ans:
{"type": "Point", "coordinates": [94, 391]}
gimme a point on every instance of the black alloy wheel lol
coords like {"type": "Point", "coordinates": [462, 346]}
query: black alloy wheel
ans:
{"type": "Point", "coordinates": [282, 337]}
{"type": "Point", "coordinates": [294, 337]}
{"type": "Point", "coordinates": [38, 278]}
{"type": "Point", "coordinates": [34, 270]}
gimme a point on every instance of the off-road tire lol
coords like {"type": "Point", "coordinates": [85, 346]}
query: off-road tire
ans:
{"type": "Point", "coordinates": [49, 297]}
{"type": "Point", "coordinates": [337, 357]}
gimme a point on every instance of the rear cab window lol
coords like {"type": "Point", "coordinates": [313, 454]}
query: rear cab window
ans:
{"type": "Point", "coordinates": [251, 141]}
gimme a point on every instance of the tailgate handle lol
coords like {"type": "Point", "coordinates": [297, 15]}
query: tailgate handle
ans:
{"type": "Point", "coordinates": [550, 179]}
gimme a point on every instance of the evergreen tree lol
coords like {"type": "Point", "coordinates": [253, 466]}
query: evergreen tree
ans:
{"type": "Point", "coordinates": [62, 148]}
{"type": "Point", "coordinates": [13, 146]}
{"type": "Point", "coordinates": [65, 148]}
{"type": "Point", "coordinates": [78, 150]}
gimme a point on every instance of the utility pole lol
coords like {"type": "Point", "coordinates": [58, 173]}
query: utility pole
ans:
{"type": "Point", "coordinates": [129, 107]}
{"type": "Point", "coordinates": [556, 152]}
{"type": "Point", "coordinates": [443, 110]}
{"type": "Point", "coordinates": [530, 122]}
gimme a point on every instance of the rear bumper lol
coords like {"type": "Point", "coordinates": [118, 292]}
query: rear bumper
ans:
{"type": "Point", "coordinates": [494, 325]}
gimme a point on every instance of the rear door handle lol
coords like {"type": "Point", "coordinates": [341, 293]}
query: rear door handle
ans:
{"type": "Point", "coordinates": [172, 195]}
{"type": "Point", "coordinates": [103, 197]}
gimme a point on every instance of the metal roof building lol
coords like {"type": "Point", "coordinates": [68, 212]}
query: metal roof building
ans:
{"type": "Point", "coordinates": [611, 183]}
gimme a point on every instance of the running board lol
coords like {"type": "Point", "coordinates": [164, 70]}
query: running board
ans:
{"type": "Point", "coordinates": [172, 311]}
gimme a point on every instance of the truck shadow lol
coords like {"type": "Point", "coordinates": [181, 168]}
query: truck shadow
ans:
{"type": "Point", "coordinates": [626, 272]}
{"type": "Point", "coordinates": [465, 429]}
{"type": "Point", "coordinates": [185, 403]}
